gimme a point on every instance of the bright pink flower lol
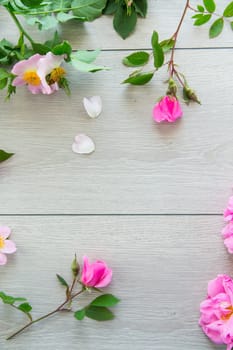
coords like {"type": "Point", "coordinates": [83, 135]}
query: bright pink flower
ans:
{"type": "Point", "coordinates": [26, 72]}
{"type": "Point", "coordinates": [217, 311]}
{"type": "Point", "coordinates": [227, 234]}
{"type": "Point", "coordinates": [228, 212]}
{"type": "Point", "coordinates": [167, 109]}
{"type": "Point", "coordinates": [96, 274]}
{"type": "Point", "coordinates": [6, 246]}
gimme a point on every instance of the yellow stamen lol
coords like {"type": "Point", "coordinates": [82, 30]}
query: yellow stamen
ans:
{"type": "Point", "coordinates": [226, 317]}
{"type": "Point", "coordinates": [2, 242]}
{"type": "Point", "coordinates": [31, 78]}
{"type": "Point", "coordinates": [56, 75]}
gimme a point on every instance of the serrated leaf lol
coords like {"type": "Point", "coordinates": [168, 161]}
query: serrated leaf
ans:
{"type": "Point", "coordinates": [106, 300]}
{"type": "Point", "coordinates": [136, 59]}
{"type": "Point", "coordinates": [228, 12]}
{"type": "Point", "coordinates": [86, 56]}
{"type": "Point", "coordinates": [62, 281]}
{"type": "Point", "coordinates": [140, 7]}
{"type": "Point", "coordinates": [158, 55]}
{"type": "Point", "coordinates": [139, 78]}
{"type": "Point", "coordinates": [8, 299]}
{"type": "Point", "coordinates": [90, 9]}
{"type": "Point", "coordinates": [80, 314]}
{"type": "Point", "coordinates": [123, 23]}
{"type": "Point", "coordinates": [99, 313]}
{"type": "Point", "coordinates": [209, 5]}
{"type": "Point", "coordinates": [25, 307]}
{"type": "Point", "coordinates": [202, 20]}
{"type": "Point", "coordinates": [200, 8]}
{"type": "Point", "coordinates": [216, 28]}
{"type": "Point", "coordinates": [167, 44]}
{"type": "Point", "coordinates": [4, 156]}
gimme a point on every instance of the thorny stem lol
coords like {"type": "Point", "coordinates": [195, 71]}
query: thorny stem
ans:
{"type": "Point", "coordinates": [18, 24]}
{"type": "Point", "coordinates": [171, 65]}
{"type": "Point", "coordinates": [58, 309]}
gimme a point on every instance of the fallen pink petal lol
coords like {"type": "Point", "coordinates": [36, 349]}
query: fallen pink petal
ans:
{"type": "Point", "coordinates": [93, 106]}
{"type": "Point", "coordinates": [83, 144]}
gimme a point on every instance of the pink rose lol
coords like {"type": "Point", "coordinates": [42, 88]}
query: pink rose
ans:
{"type": "Point", "coordinates": [217, 311]}
{"type": "Point", "coordinates": [228, 212]}
{"type": "Point", "coordinates": [227, 234]}
{"type": "Point", "coordinates": [167, 109]}
{"type": "Point", "coordinates": [96, 274]}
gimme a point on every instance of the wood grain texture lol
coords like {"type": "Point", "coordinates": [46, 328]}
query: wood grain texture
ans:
{"type": "Point", "coordinates": [138, 166]}
{"type": "Point", "coordinates": [162, 16]}
{"type": "Point", "coordinates": [161, 268]}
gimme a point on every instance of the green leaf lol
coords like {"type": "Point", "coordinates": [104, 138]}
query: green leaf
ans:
{"type": "Point", "coordinates": [8, 299]}
{"type": "Point", "coordinates": [228, 12]}
{"type": "Point", "coordinates": [86, 56]}
{"type": "Point", "coordinates": [85, 67]}
{"type": "Point", "coordinates": [32, 3]}
{"type": "Point", "coordinates": [3, 83]}
{"type": "Point", "coordinates": [62, 281]}
{"type": "Point", "coordinates": [90, 9]}
{"type": "Point", "coordinates": [44, 23]}
{"type": "Point", "coordinates": [98, 313]}
{"type": "Point", "coordinates": [105, 300]}
{"type": "Point", "coordinates": [110, 8]}
{"type": "Point", "coordinates": [80, 314]}
{"type": "Point", "coordinates": [202, 19]}
{"type": "Point", "coordinates": [136, 59]}
{"type": "Point", "coordinates": [232, 25]}
{"type": "Point", "coordinates": [65, 17]}
{"type": "Point", "coordinates": [209, 5]}
{"type": "Point", "coordinates": [158, 56]}
{"type": "Point", "coordinates": [123, 23]}
{"type": "Point", "coordinates": [154, 39]}
{"type": "Point", "coordinates": [63, 49]}
{"type": "Point", "coordinates": [40, 48]}
{"type": "Point", "coordinates": [141, 7]}
{"type": "Point", "coordinates": [216, 28]}
{"type": "Point", "coordinates": [25, 307]}
{"type": "Point", "coordinates": [167, 44]}
{"type": "Point", "coordinates": [4, 156]}
{"type": "Point", "coordinates": [200, 8]}
{"type": "Point", "coordinates": [139, 78]}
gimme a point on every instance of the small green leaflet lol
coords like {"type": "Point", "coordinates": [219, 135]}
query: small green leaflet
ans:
{"type": "Point", "coordinates": [201, 19]}
{"type": "Point", "coordinates": [228, 12]}
{"type": "Point", "coordinates": [167, 44]}
{"type": "Point", "coordinates": [105, 300]}
{"type": "Point", "coordinates": [123, 23]}
{"type": "Point", "coordinates": [216, 28]}
{"type": "Point", "coordinates": [80, 314]}
{"type": "Point", "coordinates": [136, 59]}
{"type": "Point", "coordinates": [209, 5]}
{"type": "Point", "coordinates": [4, 156]}
{"type": "Point", "coordinates": [139, 78]}
{"type": "Point", "coordinates": [140, 7]}
{"type": "Point", "coordinates": [25, 307]}
{"type": "Point", "coordinates": [8, 299]}
{"type": "Point", "coordinates": [62, 281]}
{"type": "Point", "coordinates": [157, 50]}
{"type": "Point", "coordinates": [200, 8]}
{"type": "Point", "coordinates": [82, 61]}
{"type": "Point", "coordinates": [90, 9]}
{"type": "Point", "coordinates": [97, 313]}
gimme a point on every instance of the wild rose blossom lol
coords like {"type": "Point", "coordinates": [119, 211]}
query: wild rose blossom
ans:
{"type": "Point", "coordinates": [96, 274]}
{"type": "Point", "coordinates": [228, 212]}
{"type": "Point", "coordinates": [41, 73]}
{"type": "Point", "coordinates": [6, 245]}
{"type": "Point", "coordinates": [217, 311]}
{"type": "Point", "coordinates": [167, 109]}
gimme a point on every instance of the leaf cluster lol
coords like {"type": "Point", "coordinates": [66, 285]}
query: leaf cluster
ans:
{"type": "Point", "coordinates": [206, 12]}
{"type": "Point", "coordinates": [18, 303]}
{"type": "Point", "coordinates": [125, 14]}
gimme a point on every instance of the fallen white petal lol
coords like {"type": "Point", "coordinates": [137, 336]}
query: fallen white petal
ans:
{"type": "Point", "coordinates": [93, 106]}
{"type": "Point", "coordinates": [83, 144]}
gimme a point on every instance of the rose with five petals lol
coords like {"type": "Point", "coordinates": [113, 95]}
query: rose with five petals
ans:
{"type": "Point", "coordinates": [167, 109]}
{"type": "Point", "coordinates": [96, 274]}
{"type": "Point", "coordinates": [217, 311]}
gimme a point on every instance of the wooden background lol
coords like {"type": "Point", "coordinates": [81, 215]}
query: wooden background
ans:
{"type": "Point", "coordinates": [148, 201]}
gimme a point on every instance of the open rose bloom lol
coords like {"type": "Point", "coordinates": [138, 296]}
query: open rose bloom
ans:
{"type": "Point", "coordinates": [41, 74]}
{"type": "Point", "coordinates": [168, 109]}
{"type": "Point", "coordinates": [217, 311]}
{"type": "Point", "coordinates": [96, 275]}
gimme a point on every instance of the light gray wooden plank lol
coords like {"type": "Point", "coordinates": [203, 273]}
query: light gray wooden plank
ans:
{"type": "Point", "coordinates": [162, 16]}
{"type": "Point", "coordinates": [138, 166]}
{"type": "Point", "coordinates": [161, 267]}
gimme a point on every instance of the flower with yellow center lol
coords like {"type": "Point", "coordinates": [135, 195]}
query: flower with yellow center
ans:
{"type": "Point", "coordinates": [2, 242]}
{"type": "Point", "coordinates": [56, 75]}
{"type": "Point", "coordinates": [6, 245]}
{"type": "Point", "coordinates": [31, 78]}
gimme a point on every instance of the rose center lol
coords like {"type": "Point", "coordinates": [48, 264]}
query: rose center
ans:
{"type": "Point", "coordinates": [2, 242]}
{"type": "Point", "coordinates": [31, 78]}
{"type": "Point", "coordinates": [56, 75]}
{"type": "Point", "coordinates": [226, 317]}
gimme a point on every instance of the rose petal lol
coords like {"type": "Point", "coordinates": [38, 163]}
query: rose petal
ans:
{"type": "Point", "coordinates": [83, 144]}
{"type": "Point", "coordinates": [9, 247]}
{"type": "Point", "coordinates": [93, 106]}
{"type": "Point", "coordinates": [5, 231]}
{"type": "Point", "coordinates": [3, 259]}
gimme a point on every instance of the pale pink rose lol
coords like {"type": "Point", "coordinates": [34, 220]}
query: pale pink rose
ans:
{"type": "Point", "coordinates": [167, 109]}
{"type": "Point", "coordinates": [228, 212]}
{"type": "Point", "coordinates": [26, 74]}
{"type": "Point", "coordinates": [227, 234]}
{"type": "Point", "coordinates": [96, 274]}
{"type": "Point", "coordinates": [6, 245]}
{"type": "Point", "coordinates": [217, 311]}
